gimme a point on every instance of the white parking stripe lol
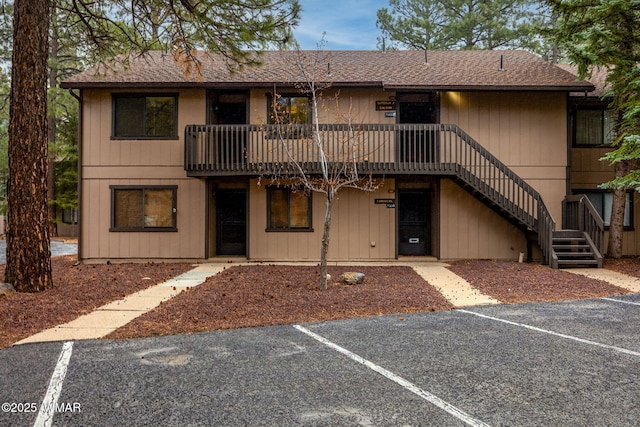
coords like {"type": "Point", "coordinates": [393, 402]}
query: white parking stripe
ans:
{"type": "Point", "coordinates": [557, 334]}
{"type": "Point", "coordinates": [48, 406]}
{"type": "Point", "coordinates": [435, 400]}
{"type": "Point", "coordinates": [621, 302]}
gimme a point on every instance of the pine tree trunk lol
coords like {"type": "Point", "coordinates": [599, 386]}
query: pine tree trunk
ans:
{"type": "Point", "coordinates": [324, 248]}
{"type": "Point", "coordinates": [616, 223]}
{"type": "Point", "coordinates": [28, 247]}
{"type": "Point", "coordinates": [52, 134]}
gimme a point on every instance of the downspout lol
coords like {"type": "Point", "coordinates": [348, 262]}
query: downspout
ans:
{"type": "Point", "coordinates": [570, 127]}
{"type": "Point", "coordinates": [80, 129]}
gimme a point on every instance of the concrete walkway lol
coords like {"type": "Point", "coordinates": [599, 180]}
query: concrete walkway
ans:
{"type": "Point", "coordinates": [114, 315]}
{"type": "Point", "coordinates": [453, 287]}
{"type": "Point", "coordinates": [613, 277]}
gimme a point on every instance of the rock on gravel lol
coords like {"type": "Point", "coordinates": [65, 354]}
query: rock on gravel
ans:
{"type": "Point", "coordinates": [352, 277]}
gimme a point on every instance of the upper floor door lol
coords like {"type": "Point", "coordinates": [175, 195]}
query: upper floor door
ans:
{"type": "Point", "coordinates": [227, 108]}
{"type": "Point", "coordinates": [229, 144]}
{"type": "Point", "coordinates": [417, 108]}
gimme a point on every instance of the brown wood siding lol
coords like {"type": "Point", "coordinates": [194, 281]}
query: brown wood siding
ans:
{"type": "Point", "coordinates": [186, 243]}
{"type": "Point", "coordinates": [469, 229]}
{"type": "Point", "coordinates": [108, 162]}
{"type": "Point", "coordinates": [587, 173]}
{"type": "Point", "coordinates": [526, 131]}
{"type": "Point", "coordinates": [357, 222]}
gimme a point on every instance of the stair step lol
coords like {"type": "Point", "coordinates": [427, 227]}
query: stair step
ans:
{"type": "Point", "coordinates": [568, 255]}
{"type": "Point", "coordinates": [583, 252]}
{"type": "Point", "coordinates": [569, 239]}
{"type": "Point", "coordinates": [570, 247]}
{"type": "Point", "coordinates": [575, 262]}
{"type": "Point", "coordinates": [568, 234]}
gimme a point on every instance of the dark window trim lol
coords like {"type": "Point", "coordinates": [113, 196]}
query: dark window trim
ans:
{"type": "Point", "coordinates": [270, 98]}
{"type": "Point", "coordinates": [174, 218]}
{"type": "Point", "coordinates": [630, 204]}
{"type": "Point", "coordinates": [574, 125]}
{"type": "Point", "coordinates": [289, 229]}
{"type": "Point", "coordinates": [115, 95]}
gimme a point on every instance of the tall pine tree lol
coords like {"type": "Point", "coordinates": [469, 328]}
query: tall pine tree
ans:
{"type": "Point", "coordinates": [606, 33]}
{"type": "Point", "coordinates": [232, 28]}
{"type": "Point", "coordinates": [460, 24]}
{"type": "Point", "coordinates": [28, 253]}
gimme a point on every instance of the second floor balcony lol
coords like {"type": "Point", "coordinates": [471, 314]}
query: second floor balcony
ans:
{"type": "Point", "coordinates": [215, 150]}
{"type": "Point", "coordinates": [376, 149]}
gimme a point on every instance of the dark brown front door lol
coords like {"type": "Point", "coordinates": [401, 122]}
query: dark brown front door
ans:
{"type": "Point", "coordinates": [231, 222]}
{"type": "Point", "coordinates": [414, 210]}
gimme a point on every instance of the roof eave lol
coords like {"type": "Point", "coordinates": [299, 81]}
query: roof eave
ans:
{"type": "Point", "coordinates": [579, 87]}
{"type": "Point", "coordinates": [494, 88]}
{"type": "Point", "coordinates": [204, 85]}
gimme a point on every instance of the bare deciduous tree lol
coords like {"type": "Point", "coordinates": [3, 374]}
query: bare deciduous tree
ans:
{"type": "Point", "coordinates": [333, 157]}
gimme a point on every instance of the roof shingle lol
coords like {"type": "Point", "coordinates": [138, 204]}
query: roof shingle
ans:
{"type": "Point", "coordinates": [442, 70]}
{"type": "Point", "coordinates": [598, 78]}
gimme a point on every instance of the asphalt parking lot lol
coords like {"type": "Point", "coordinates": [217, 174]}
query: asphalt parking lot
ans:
{"type": "Point", "coordinates": [57, 248]}
{"type": "Point", "coordinates": [553, 364]}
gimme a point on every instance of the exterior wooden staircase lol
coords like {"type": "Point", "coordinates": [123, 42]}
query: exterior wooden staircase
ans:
{"type": "Point", "coordinates": [574, 248]}
{"type": "Point", "coordinates": [401, 149]}
{"type": "Point", "coordinates": [493, 183]}
{"type": "Point", "coordinates": [579, 244]}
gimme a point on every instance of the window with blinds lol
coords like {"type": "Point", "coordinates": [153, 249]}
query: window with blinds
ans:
{"type": "Point", "coordinates": [145, 116]}
{"type": "Point", "coordinates": [594, 128]}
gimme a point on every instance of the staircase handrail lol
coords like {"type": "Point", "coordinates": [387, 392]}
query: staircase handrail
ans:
{"type": "Point", "coordinates": [445, 149]}
{"type": "Point", "coordinates": [578, 213]}
{"type": "Point", "coordinates": [538, 217]}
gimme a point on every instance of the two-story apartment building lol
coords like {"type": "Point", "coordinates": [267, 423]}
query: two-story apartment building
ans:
{"type": "Point", "coordinates": [472, 150]}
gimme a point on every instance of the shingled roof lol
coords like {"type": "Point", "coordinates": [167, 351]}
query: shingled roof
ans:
{"type": "Point", "coordinates": [598, 78]}
{"type": "Point", "coordinates": [393, 70]}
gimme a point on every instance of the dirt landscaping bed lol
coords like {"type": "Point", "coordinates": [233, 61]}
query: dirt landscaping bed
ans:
{"type": "Point", "coordinates": [261, 295]}
{"type": "Point", "coordinates": [77, 291]}
{"type": "Point", "coordinates": [627, 265]}
{"type": "Point", "coordinates": [512, 282]}
{"type": "Point", "coordinates": [274, 295]}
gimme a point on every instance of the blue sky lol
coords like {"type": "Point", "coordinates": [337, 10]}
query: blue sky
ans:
{"type": "Point", "coordinates": [349, 24]}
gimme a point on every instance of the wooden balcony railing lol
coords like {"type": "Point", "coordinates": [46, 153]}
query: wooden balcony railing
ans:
{"type": "Point", "coordinates": [258, 149]}
{"type": "Point", "coordinates": [429, 149]}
